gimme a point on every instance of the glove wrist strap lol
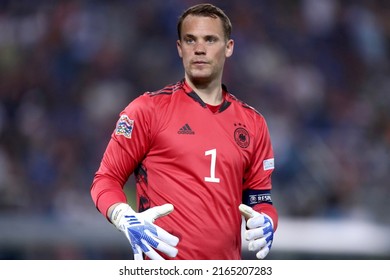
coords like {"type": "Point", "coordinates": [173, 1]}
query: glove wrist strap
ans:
{"type": "Point", "coordinates": [118, 212]}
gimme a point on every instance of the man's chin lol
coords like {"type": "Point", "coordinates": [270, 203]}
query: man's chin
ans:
{"type": "Point", "coordinates": [200, 80]}
{"type": "Point", "coordinates": [201, 77]}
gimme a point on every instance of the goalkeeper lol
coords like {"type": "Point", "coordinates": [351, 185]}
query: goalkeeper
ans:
{"type": "Point", "coordinates": [202, 159]}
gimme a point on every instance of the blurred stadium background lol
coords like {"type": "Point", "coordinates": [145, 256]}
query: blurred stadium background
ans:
{"type": "Point", "coordinates": [318, 70]}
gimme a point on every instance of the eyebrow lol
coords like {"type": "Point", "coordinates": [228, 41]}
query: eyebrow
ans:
{"type": "Point", "coordinates": [192, 36]}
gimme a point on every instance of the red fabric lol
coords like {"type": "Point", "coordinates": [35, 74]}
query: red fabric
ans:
{"type": "Point", "coordinates": [214, 108]}
{"type": "Point", "coordinates": [199, 161]}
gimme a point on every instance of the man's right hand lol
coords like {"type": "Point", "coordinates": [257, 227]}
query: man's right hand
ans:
{"type": "Point", "coordinates": [143, 235]}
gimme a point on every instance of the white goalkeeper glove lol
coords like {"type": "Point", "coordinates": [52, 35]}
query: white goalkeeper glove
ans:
{"type": "Point", "coordinates": [143, 234]}
{"type": "Point", "coordinates": [259, 231]}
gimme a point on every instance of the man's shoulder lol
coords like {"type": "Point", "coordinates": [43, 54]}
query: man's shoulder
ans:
{"type": "Point", "coordinates": [166, 91]}
{"type": "Point", "coordinates": [154, 100]}
{"type": "Point", "coordinates": [242, 104]}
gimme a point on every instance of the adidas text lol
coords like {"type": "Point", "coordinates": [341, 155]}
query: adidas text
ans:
{"type": "Point", "coordinates": [186, 129]}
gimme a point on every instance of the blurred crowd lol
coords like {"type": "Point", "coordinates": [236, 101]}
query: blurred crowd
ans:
{"type": "Point", "coordinates": [318, 70]}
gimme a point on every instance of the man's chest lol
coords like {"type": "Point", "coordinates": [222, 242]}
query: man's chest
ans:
{"type": "Point", "coordinates": [194, 135]}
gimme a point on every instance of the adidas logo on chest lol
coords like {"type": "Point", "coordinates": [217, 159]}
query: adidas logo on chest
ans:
{"type": "Point", "coordinates": [185, 129]}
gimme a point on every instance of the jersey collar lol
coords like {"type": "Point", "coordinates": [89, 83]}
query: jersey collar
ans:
{"type": "Point", "coordinates": [187, 89]}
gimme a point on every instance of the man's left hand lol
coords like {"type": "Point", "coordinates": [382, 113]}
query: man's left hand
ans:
{"type": "Point", "coordinates": [259, 231]}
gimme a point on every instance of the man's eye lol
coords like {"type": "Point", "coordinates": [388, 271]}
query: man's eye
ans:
{"type": "Point", "coordinates": [211, 40]}
{"type": "Point", "coordinates": [189, 41]}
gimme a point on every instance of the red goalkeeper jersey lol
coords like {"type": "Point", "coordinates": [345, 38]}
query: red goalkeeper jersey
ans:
{"type": "Point", "coordinates": [201, 161]}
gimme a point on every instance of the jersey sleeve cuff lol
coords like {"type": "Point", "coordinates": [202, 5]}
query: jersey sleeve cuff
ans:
{"type": "Point", "coordinates": [107, 199]}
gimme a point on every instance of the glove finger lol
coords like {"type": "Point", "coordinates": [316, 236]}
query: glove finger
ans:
{"type": "Point", "coordinates": [263, 252]}
{"type": "Point", "coordinates": [150, 252]}
{"type": "Point", "coordinates": [257, 244]}
{"type": "Point", "coordinates": [166, 237]}
{"type": "Point", "coordinates": [252, 234]}
{"type": "Point", "coordinates": [158, 211]}
{"type": "Point", "coordinates": [167, 249]}
{"type": "Point", "coordinates": [162, 245]}
{"type": "Point", "coordinates": [256, 221]}
{"type": "Point", "coordinates": [246, 211]}
{"type": "Point", "coordinates": [138, 253]}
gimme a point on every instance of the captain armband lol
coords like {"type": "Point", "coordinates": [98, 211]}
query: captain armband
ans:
{"type": "Point", "coordinates": [253, 197]}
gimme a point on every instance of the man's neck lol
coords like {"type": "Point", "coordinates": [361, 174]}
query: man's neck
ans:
{"type": "Point", "coordinates": [209, 92]}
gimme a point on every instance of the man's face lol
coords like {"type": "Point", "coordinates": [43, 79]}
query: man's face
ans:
{"type": "Point", "coordinates": [203, 48]}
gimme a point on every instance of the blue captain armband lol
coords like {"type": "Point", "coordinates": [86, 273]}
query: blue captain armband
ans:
{"type": "Point", "coordinates": [253, 197]}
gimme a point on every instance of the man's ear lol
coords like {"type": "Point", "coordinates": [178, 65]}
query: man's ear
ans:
{"type": "Point", "coordinates": [229, 48]}
{"type": "Point", "coordinates": [178, 45]}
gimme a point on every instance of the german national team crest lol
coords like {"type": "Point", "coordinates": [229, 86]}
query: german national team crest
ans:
{"type": "Point", "coordinates": [124, 126]}
{"type": "Point", "coordinates": [241, 136]}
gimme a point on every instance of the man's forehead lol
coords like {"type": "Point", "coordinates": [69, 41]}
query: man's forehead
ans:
{"type": "Point", "coordinates": [202, 25]}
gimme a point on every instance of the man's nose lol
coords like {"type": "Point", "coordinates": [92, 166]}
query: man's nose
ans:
{"type": "Point", "coordinates": [199, 48]}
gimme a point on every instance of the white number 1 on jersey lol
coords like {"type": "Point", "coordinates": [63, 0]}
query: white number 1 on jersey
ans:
{"type": "Point", "coordinates": [212, 177]}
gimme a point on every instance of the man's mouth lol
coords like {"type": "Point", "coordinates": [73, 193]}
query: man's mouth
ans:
{"type": "Point", "coordinates": [199, 62]}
